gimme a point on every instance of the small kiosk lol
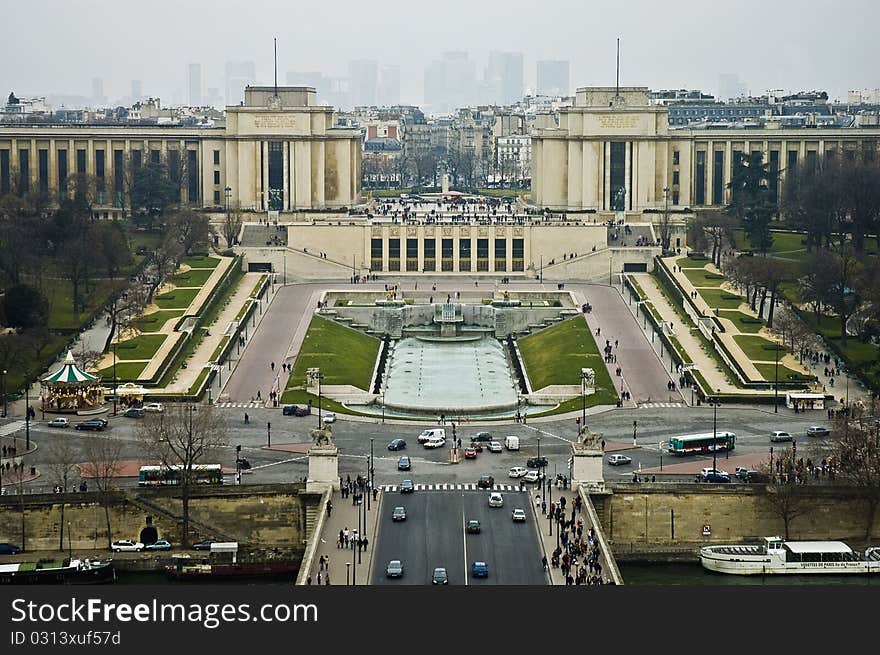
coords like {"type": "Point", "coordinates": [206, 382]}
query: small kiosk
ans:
{"type": "Point", "coordinates": [804, 400]}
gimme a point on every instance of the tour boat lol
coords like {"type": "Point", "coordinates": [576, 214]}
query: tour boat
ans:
{"type": "Point", "coordinates": [777, 555]}
{"type": "Point", "coordinates": [68, 571]}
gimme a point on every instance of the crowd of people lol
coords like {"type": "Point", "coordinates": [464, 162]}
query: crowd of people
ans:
{"type": "Point", "coordinates": [578, 555]}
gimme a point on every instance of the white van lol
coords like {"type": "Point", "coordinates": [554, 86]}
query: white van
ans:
{"type": "Point", "coordinates": [511, 443]}
{"type": "Point", "coordinates": [432, 433]}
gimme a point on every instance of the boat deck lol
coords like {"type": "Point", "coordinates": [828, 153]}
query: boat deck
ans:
{"type": "Point", "coordinates": [738, 550]}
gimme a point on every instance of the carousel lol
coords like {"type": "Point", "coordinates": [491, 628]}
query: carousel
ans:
{"type": "Point", "coordinates": [71, 390]}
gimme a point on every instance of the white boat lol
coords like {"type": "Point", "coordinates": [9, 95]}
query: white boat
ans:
{"type": "Point", "coordinates": [776, 556]}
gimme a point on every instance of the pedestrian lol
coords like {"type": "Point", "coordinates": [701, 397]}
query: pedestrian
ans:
{"type": "Point", "coordinates": [309, 580]}
{"type": "Point", "coordinates": [329, 507]}
{"type": "Point", "coordinates": [319, 577]}
{"type": "Point", "coordinates": [544, 562]}
{"type": "Point", "coordinates": [246, 418]}
{"type": "Point", "coordinates": [341, 541]}
{"type": "Point", "coordinates": [321, 563]}
{"type": "Point", "coordinates": [364, 540]}
{"type": "Point", "coordinates": [258, 394]}
{"type": "Point", "coordinates": [543, 507]}
{"type": "Point", "coordinates": [272, 366]}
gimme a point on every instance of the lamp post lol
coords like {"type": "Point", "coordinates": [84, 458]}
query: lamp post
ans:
{"type": "Point", "coordinates": [550, 489]}
{"type": "Point", "coordinates": [4, 393]}
{"type": "Point", "coordinates": [319, 376]}
{"type": "Point", "coordinates": [383, 405]}
{"type": "Point", "coordinates": [372, 473]}
{"type": "Point", "coordinates": [238, 464]}
{"type": "Point", "coordinates": [268, 434]}
{"type": "Point", "coordinates": [776, 382]}
{"type": "Point", "coordinates": [69, 547]}
{"type": "Point", "coordinates": [347, 570]}
{"type": "Point", "coordinates": [115, 381]}
{"type": "Point", "coordinates": [635, 434]}
{"type": "Point", "coordinates": [715, 404]}
{"type": "Point", "coordinates": [583, 400]}
{"type": "Point", "coordinates": [27, 415]}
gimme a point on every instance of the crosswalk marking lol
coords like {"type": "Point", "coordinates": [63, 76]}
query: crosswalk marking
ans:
{"type": "Point", "coordinates": [253, 405]}
{"type": "Point", "coordinates": [656, 405]}
{"type": "Point", "coordinates": [9, 428]}
{"type": "Point", "coordinates": [392, 488]}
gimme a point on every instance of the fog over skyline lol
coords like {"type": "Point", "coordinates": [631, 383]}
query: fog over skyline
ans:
{"type": "Point", "coordinates": [56, 47]}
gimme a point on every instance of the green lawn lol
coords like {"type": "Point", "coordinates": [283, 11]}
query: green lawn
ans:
{"type": "Point", "coordinates": [201, 261]}
{"type": "Point", "coordinates": [700, 277]}
{"type": "Point", "coordinates": [859, 356]}
{"type": "Point", "coordinates": [721, 299]}
{"type": "Point", "coordinates": [786, 245]}
{"type": "Point", "coordinates": [125, 371]}
{"type": "Point", "coordinates": [176, 298]}
{"type": "Point", "coordinates": [556, 354]}
{"type": "Point", "coordinates": [141, 347]}
{"type": "Point", "coordinates": [153, 322]}
{"type": "Point", "coordinates": [785, 374]}
{"type": "Point", "coordinates": [742, 321]}
{"type": "Point", "coordinates": [692, 262]}
{"type": "Point", "coordinates": [344, 355]}
{"type": "Point", "coordinates": [195, 277]}
{"type": "Point", "coordinates": [60, 292]}
{"type": "Point", "coordinates": [758, 349]}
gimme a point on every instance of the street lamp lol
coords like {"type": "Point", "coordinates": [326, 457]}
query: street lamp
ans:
{"type": "Point", "coordinates": [715, 404]}
{"type": "Point", "coordinates": [27, 415]}
{"type": "Point", "coordinates": [583, 399]}
{"type": "Point", "coordinates": [319, 376]}
{"type": "Point", "coordinates": [347, 569]}
{"type": "Point", "coordinates": [372, 472]}
{"type": "Point", "coordinates": [238, 464]}
{"type": "Point", "coordinates": [635, 432]}
{"type": "Point", "coordinates": [4, 393]}
{"type": "Point", "coordinates": [776, 382]}
{"type": "Point", "coordinates": [383, 405]}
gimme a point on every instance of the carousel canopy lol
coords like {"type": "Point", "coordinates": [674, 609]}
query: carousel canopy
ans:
{"type": "Point", "coordinates": [69, 373]}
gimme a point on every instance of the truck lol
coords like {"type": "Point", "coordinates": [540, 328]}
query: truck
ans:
{"type": "Point", "coordinates": [511, 443]}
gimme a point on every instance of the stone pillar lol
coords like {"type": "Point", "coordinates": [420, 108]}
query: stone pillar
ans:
{"type": "Point", "coordinates": [444, 182]}
{"type": "Point", "coordinates": [586, 462]}
{"type": "Point", "coordinates": [323, 462]}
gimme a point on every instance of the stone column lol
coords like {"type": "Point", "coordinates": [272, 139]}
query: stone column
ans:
{"type": "Point", "coordinates": [323, 462]}
{"type": "Point", "coordinates": [586, 463]}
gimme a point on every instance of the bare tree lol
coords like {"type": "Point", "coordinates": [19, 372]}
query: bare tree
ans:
{"type": "Point", "coordinates": [62, 467]}
{"type": "Point", "coordinates": [124, 309]}
{"type": "Point", "coordinates": [165, 261]}
{"type": "Point", "coordinates": [103, 465]}
{"type": "Point", "coordinates": [857, 455]}
{"type": "Point", "coordinates": [232, 224]}
{"type": "Point", "coordinates": [182, 437]}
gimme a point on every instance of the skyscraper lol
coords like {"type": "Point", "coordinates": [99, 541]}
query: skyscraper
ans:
{"type": "Point", "coordinates": [553, 78]}
{"type": "Point", "coordinates": [137, 90]}
{"type": "Point", "coordinates": [389, 86]}
{"type": "Point", "coordinates": [450, 83]}
{"type": "Point", "coordinates": [505, 76]}
{"type": "Point", "coordinates": [195, 85]}
{"type": "Point", "coordinates": [98, 91]}
{"type": "Point", "coordinates": [238, 75]}
{"type": "Point", "coordinates": [730, 86]}
{"type": "Point", "coordinates": [363, 81]}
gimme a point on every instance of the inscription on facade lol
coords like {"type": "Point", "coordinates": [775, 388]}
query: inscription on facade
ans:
{"type": "Point", "coordinates": [618, 121]}
{"type": "Point", "coordinates": [274, 122]}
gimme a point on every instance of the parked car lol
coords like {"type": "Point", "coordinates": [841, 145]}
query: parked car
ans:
{"type": "Point", "coordinates": [399, 514]}
{"type": "Point", "coordinates": [716, 477]}
{"type": "Point", "coordinates": [476, 445]}
{"type": "Point", "coordinates": [126, 546]}
{"type": "Point", "coordinates": [706, 471]}
{"type": "Point", "coordinates": [154, 407]}
{"type": "Point", "coordinates": [94, 424]}
{"type": "Point", "coordinates": [817, 431]}
{"type": "Point", "coordinates": [536, 462]}
{"type": "Point", "coordinates": [134, 412]}
{"type": "Point", "coordinates": [740, 472]}
{"type": "Point", "coordinates": [470, 453]}
{"type": "Point", "coordinates": [511, 442]}
{"type": "Point", "coordinates": [517, 472]}
{"type": "Point", "coordinates": [485, 482]}
{"type": "Point", "coordinates": [394, 569]}
{"type": "Point", "coordinates": [756, 476]}
{"type": "Point", "coordinates": [431, 433]}
{"type": "Point", "coordinates": [9, 549]}
{"type": "Point", "coordinates": [779, 435]}
{"type": "Point", "coordinates": [59, 422]}
{"type": "Point", "coordinates": [495, 499]}
{"type": "Point", "coordinates": [397, 444]}
{"type": "Point", "coordinates": [473, 526]}
{"type": "Point", "coordinates": [532, 476]}
{"type": "Point", "coordinates": [296, 410]}
{"type": "Point", "coordinates": [494, 447]}
{"type": "Point", "coordinates": [404, 463]}
{"type": "Point", "coordinates": [439, 576]}
{"type": "Point", "coordinates": [479, 570]}
{"type": "Point", "coordinates": [204, 545]}
{"type": "Point", "coordinates": [484, 437]}
{"type": "Point", "coordinates": [618, 459]}
{"type": "Point", "coordinates": [518, 515]}
{"type": "Point", "coordinates": [328, 417]}
{"type": "Point", "coordinates": [161, 544]}
{"type": "Point", "coordinates": [407, 487]}
{"type": "Point", "coordinates": [435, 442]}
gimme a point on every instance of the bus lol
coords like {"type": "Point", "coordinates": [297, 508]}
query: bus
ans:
{"type": "Point", "coordinates": [690, 444]}
{"type": "Point", "coordinates": [159, 476]}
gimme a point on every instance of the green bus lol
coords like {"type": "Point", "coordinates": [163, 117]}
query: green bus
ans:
{"type": "Point", "coordinates": [691, 444]}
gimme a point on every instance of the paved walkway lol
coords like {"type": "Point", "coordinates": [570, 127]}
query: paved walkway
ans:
{"type": "Point", "coordinates": [345, 515]}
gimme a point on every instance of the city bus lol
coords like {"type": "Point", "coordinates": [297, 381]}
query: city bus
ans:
{"type": "Point", "coordinates": [690, 444]}
{"type": "Point", "coordinates": [157, 476]}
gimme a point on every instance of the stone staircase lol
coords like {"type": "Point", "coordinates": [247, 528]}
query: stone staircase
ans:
{"type": "Point", "coordinates": [312, 512]}
{"type": "Point", "coordinates": [195, 525]}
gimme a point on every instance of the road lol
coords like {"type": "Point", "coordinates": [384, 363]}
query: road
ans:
{"type": "Point", "coordinates": [433, 535]}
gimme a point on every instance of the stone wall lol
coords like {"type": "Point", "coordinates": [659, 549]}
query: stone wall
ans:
{"type": "Point", "coordinates": [257, 516]}
{"type": "Point", "coordinates": [653, 515]}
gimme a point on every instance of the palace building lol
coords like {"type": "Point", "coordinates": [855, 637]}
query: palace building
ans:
{"type": "Point", "coordinates": [278, 150]}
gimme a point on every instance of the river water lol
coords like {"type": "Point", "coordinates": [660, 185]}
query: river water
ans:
{"type": "Point", "coordinates": [695, 574]}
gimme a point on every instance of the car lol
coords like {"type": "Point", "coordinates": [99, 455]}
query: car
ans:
{"type": "Point", "coordinates": [470, 453]}
{"type": "Point", "coordinates": [479, 570]}
{"type": "Point", "coordinates": [404, 463]}
{"type": "Point", "coordinates": [779, 435]}
{"type": "Point", "coordinates": [399, 514]}
{"type": "Point", "coordinates": [517, 472]}
{"type": "Point", "coordinates": [161, 544]}
{"type": "Point", "coordinates": [154, 407]}
{"type": "Point", "coordinates": [328, 417]}
{"type": "Point", "coordinates": [756, 476]}
{"type": "Point", "coordinates": [495, 499]}
{"type": "Point", "coordinates": [95, 425]}
{"type": "Point", "coordinates": [439, 576]}
{"type": "Point", "coordinates": [397, 444]}
{"type": "Point", "coordinates": [59, 422]}
{"type": "Point", "coordinates": [407, 487]}
{"type": "Point", "coordinates": [716, 477]}
{"type": "Point", "coordinates": [394, 569]}
{"type": "Point", "coordinates": [476, 445]}
{"type": "Point", "coordinates": [134, 412]}
{"type": "Point", "coordinates": [481, 437]}
{"type": "Point", "coordinates": [494, 447]}
{"type": "Point", "coordinates": [536, 462]}
{"type": "Point", "coordinates": [435, 442]}
{"type": "Point", "coordinates": [532, 476]}
{"type": "Point", "coordinates": [126, 546]}
{"type": "Point", "coordinates": [518, 515]}
{"type": "Point", "coordinates": [9, 549]}
{"type": "Point", "coordinates": [204, 545]}
{"type": "Point", "coordinates": [818, 431]}
{"type": "Point", "coordinates": [706, 471]}
{"type": "Point", "coordinates": [296, 410]}
{"type": "Point", "coordinates": [617, 459]}
{"type": "Point", "coordinates": [741, 472]}
{"type": "Point", "coordinates": [472, 527]}
{"type": "Point", "coordinates": [431, 433]}
{"type": "Point", "coordinates": [485, 482]}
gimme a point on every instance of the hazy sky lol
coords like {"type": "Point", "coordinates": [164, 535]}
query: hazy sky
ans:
{"type": "Point", "coordinates": [58, 46]}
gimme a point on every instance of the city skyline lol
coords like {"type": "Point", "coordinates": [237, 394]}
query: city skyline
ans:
{"type": "Point", "coordinates": [685, 47]}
